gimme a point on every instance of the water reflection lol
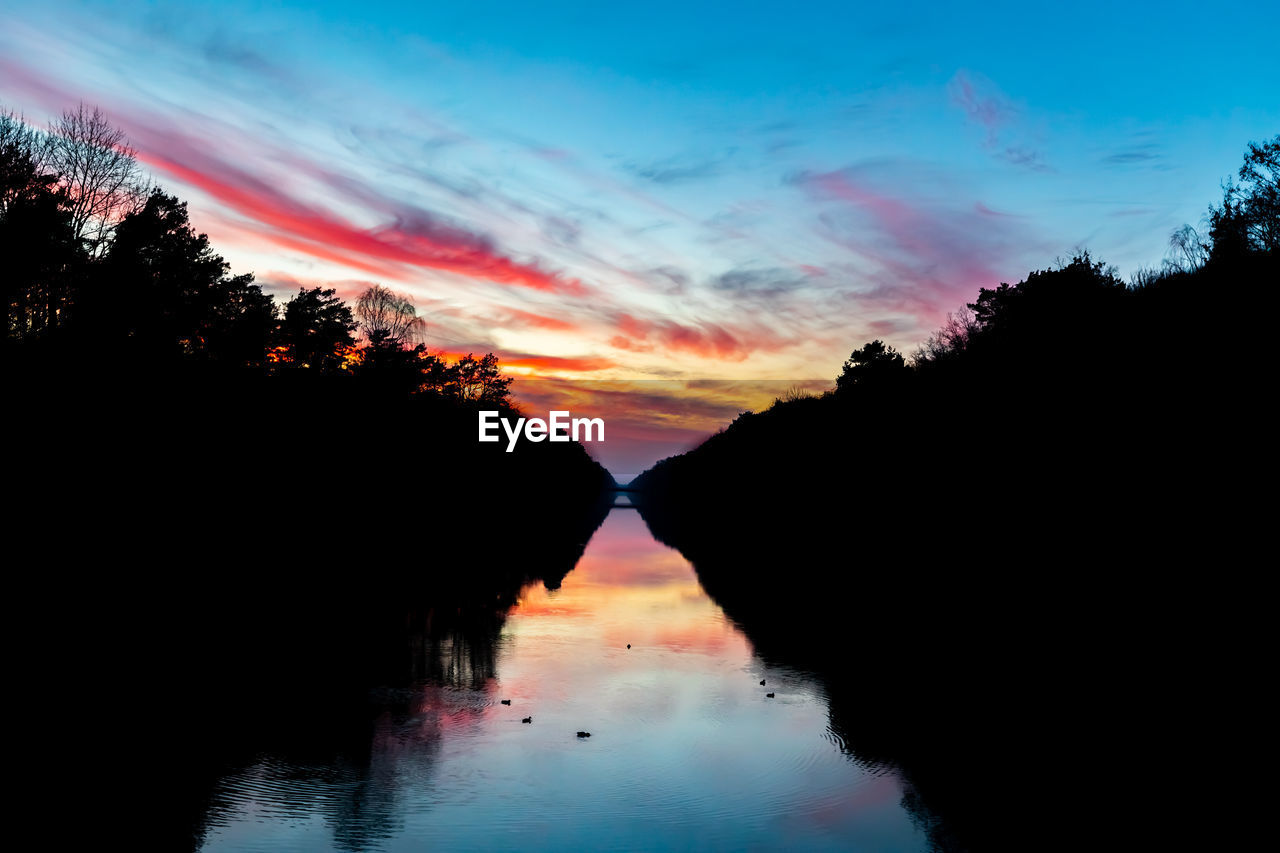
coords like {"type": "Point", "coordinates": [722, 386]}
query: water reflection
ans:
{"type": "Point", "coordinates": [685, 750]}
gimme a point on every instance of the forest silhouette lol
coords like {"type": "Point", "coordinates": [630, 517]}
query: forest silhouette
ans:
{"type": "Point", "coordinates": [1019, 554]}
{"type": "Point", "coordinates": [132, 348]}
{"type": "Point", "coordinates": [245, 511]}
{"type": "Point", "coordinates": [1022, 560]}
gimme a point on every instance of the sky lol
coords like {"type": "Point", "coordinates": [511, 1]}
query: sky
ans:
{"type": "Point", "coordinates": [667, 192]}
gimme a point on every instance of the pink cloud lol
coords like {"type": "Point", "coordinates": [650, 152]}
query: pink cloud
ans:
{"type": "Point", "coordinates": [708, 340]}
{"type": "Point", "coordinates": [527, 319]}
{"type": "Point", "coordinates": [411, 239]}
{"type": "Point", "coordinates": [387, 250]}
{"type": "Point", "coordinates": [987, 108]}
{"type": "Point", "coordinates": [574, 364]}
{"type": "Point", "coordinates": [927, 259]}
{"type": "Point", "coordinates": [287, 285]}
{"type": "Point", "coordinates": [986, 211]}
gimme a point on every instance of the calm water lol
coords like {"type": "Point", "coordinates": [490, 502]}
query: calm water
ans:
{"type": "Point", "coordinates": [685, 750]}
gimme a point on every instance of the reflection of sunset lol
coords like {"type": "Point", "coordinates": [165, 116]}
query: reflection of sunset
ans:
{"type": "Point", "coordinates": [686, 751]}
{"type": "Point", "coordinates": [635, 591]}
{"type": "Point", "coordinates": [570, 643]}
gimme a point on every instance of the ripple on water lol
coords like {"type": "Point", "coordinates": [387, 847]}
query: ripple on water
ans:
{"type": "Point", "coordinates": [686, 751]}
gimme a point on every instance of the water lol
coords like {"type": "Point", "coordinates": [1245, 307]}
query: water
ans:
{"type": "Point", "coordinates": [686, 752]}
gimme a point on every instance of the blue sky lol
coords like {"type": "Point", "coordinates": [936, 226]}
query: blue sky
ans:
{"type": "Point", "coordinates": [668, 190]}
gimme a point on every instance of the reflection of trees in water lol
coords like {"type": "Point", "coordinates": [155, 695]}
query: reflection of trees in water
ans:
{"type": "Point", "coordinates": [341, 747]}
{"type": "Point", "coordinates": [458, 662]}
{"type": "Point", "coordinates": [339, 690]}
{"type": "Point", "coordinates": [861, 649]}
{"type": "Point", "coordinates": [457, 647]}
{"type": "Point", "coordinates": [351, 781]}
{"type": "Point", "coordinates": [973, 548]}
{"type": "Point", "coordinates": [1018, 705]}
{"type": "Point", "coordinates": [329, 707]}
{"type": "Point", "coordinates": [462, 657]}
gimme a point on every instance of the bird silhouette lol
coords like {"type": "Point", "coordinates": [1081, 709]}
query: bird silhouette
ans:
{"type": "Point", "coordinates": [584, 734]}
{"type": "Point", "coordinates": [762, 682]}
{"type": "Point", "coordinates": [768, 695]}
{"type": "Point", "coordinates": [527, 720]}
{"type": "Point", "coordinates": [506, 701]}
{"type": "Point", "coordinates": [628, 645]}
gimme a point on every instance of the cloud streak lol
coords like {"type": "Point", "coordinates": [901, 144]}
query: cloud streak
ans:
{"type": "Point", "coordinates": [926, 258]}
{"type": "Point", "coordinates": [987, 107]}
{"type": "Point", "coordinates": [705, 340]}
{"type": "Point", "coordinates": [412, 239]}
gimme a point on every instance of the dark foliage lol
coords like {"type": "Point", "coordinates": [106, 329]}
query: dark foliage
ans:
{"type": "Point", "coordinates": [874, 363]}
{"type": "Point", "coordinates": [94, 269]}
{"type": "Point", "coordinates": [1247, 220]}
{"type": "Point", "coordinates": [236, 509]}
{"type": "Point", "coordinates": [1023, 555]}
{"type": "Point", "coordinates": [316, 330]}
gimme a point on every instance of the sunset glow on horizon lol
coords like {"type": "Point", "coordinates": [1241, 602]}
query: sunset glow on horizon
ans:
{"type": "Point", "coordinates": [602, 194]}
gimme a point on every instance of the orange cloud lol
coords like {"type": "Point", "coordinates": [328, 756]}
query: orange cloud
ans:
{"type": "Point", "coordinates": [708, 340]}
{"type": "Point", "coordinates": [516, 317]}
{"type": "Point", "coordinates": [583, 364]}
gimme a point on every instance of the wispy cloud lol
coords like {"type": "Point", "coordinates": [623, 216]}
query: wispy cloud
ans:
{"type": "Point", "coordinates": [681, 169]}
{"type": "Point", "coordinates": [981, 102]}
{"type": "Point", "coordinates": [765, 283]}
{"type": "Point", "coordinates": [1027, 158]}
{"type": "Point", "coordinates": [922, 258]}
{"type": "Point", "coordinates": [705, 340]}
{"type": "Point", "coordinates": [407, 237]}
{"type": "Point", "coordinates": [989, 108]}
{"type": "Point", "coordinates": [284, 286]}
{"type": "Point", "coordinates": [1147, 154]}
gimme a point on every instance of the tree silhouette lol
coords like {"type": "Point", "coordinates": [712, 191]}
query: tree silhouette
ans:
{"type": "Point", "coordinates": [1013, 327]}
{"type": "Point", "coordinates": [873, 362]}
{"type": "Point", "coordinates": [1043, 292]}
{"type": "Point", "coordinates": [37, 242]}
{"type": "Point", "coordinates": [1065, 415]}
{"type": "Point", "coordinates": [240, 322]}
{"type": "Point", "coordinates": [23, 143]}
{"type": "Point", "coordinates": [1187, 249]}
{"type": "Point", "coordinates": [1249, 218]}
{"type": "Point", "coordinates": [388, 320]}
{"type": "Point", "coordinates": [317, 329]}
{"type": "Point", "coordinates": [12, 126]}
{"type": "Point", "coordinates": [949, 341]}
{"type": "Point", "coordinates": [171, 294]}
{"type": "Point", "coordinates": [97, 169]}
{"type": "Point", "coordinates": [479, 380]}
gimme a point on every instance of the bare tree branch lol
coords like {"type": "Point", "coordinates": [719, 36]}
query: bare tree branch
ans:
{"type": "Point", "coordinates": [388, 319]}
{"type": "Point", "coordinates": [98, 170]}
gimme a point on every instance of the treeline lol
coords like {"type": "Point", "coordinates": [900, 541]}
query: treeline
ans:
{"type": "Point", "coordinates": [271, 460]}
{"type": "Point", "coordinates": [1033, 389]}
{"type": "Point", "coordinates": [1024, 551]}
{"type": "Point", "coordinates": [98, 259]}
{"type": "Point", "coordinates": [115, 304]}
{"type": "Point", "coordinates": [236, 509]}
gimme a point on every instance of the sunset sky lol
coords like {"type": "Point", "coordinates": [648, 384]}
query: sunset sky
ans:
{"type": "Point", "coordinates": [667, 191]}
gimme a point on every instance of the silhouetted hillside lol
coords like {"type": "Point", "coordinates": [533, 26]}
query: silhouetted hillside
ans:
{"type": "Point", "coordinates": [156, 399]}
{"type": "Point", "coordinates": [243, 511]}
{"type": "Point", "coordinates": [1021, 560]}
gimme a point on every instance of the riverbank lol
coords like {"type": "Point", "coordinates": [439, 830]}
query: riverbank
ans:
{"type": "Point", "coordinates": [977, 554]}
